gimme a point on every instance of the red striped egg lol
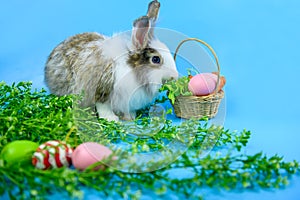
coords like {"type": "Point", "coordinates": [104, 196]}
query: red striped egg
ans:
{"type": "Point", "coordinates": [53, 154]}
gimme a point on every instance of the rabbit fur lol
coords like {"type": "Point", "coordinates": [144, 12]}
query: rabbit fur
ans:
{"type": "Point", "coordinates": [119, 74]}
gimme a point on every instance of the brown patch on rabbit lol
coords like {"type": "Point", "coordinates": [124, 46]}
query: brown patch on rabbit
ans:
{"type": "Point", "coordinates": [145, 57]}
{"type": "Point", "coordinates": [105, 84]}
{"type": "Point", "coordinates": [74, 45]}
{"type": "Point", "coordinates": [77, 65]}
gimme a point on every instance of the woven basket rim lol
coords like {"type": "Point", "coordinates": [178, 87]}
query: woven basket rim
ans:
{"type": "Point", "coordinates": [213, 95]}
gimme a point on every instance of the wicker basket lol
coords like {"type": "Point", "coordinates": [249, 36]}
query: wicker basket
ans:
{"type": "Point", "coordinates": [199, 106]}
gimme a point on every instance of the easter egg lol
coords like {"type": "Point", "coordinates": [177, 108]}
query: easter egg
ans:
{"type": "Point", "coordinates": [18, 152]}
{"type": "Point", "coordinates": [53, 154]}
{"type": "Point", "coordinates": [89, 153]}
{"type": "Point", "coordinates": [203, 84]}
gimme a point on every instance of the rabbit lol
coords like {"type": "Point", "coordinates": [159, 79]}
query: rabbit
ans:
{"type": "Point", "coordinates": [118, 75]}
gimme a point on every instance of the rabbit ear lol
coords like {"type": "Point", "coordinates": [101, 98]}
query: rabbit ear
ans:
{"type": "Point", "coordinates": [143, 27]}
{"type": "Point", "coordinates": [153, 9]}
{"type": "Point", "coordinates": [140, 36]}
{"type": "Point", "coordinates": [152, 13]}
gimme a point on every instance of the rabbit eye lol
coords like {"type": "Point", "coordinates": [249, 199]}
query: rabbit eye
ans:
{"type": "Point", "coordinates": [155, 59]}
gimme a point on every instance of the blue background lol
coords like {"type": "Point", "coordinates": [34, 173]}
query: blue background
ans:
{"type": "Point", "coordinates": [257, 43]}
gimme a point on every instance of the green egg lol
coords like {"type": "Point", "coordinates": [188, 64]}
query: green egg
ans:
{"type": "Point", "coordinates": [18, 152]}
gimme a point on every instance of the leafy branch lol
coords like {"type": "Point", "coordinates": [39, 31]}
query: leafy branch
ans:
{"type": "Point", "coordinates": [34, 115]}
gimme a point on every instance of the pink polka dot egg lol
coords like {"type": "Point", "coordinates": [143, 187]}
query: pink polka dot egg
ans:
{"type": "Point", "coordinates": [203, 84]}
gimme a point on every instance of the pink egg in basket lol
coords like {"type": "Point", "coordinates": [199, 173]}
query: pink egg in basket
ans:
{"type": "Point", "coordinates": [203, 84]}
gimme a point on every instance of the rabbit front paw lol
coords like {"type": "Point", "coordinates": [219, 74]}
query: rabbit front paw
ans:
{"type": "Point", "coordinates": [104, 111]}
{"type": "Point", "coordinates": [129, 116]}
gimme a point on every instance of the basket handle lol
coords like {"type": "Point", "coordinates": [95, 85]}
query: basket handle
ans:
{"type": "Point", "coordinates": [211, 50]}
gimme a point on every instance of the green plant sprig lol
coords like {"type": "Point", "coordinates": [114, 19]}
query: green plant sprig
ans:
{"type": "Point", "coordinates": [36, 116]}
{"type": "Point", "coordinates": [177, 87]}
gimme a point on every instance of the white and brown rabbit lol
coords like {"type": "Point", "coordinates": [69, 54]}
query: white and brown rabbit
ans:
{"type": "Point", "coordinates": [119, 74]}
